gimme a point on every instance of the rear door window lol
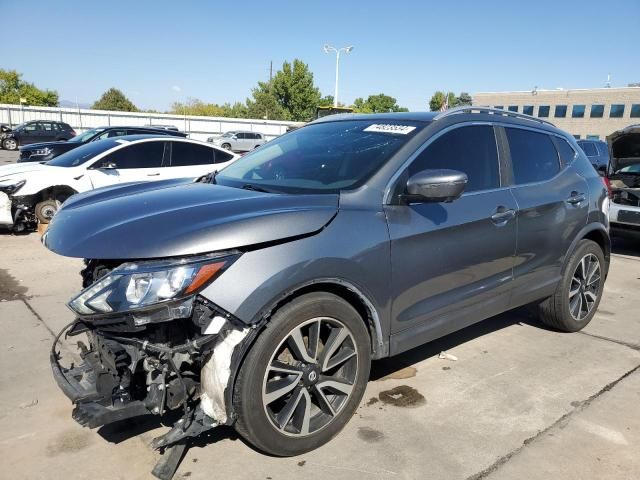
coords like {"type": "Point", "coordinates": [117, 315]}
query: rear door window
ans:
{"type": "Point", "coordinates": [471, 150]}
{"type": "Point", "coordinates": [138, 155]}
{"type": "Point", "coordinates": [533, 156]}
{"type": "Point", "coordinates": [184, 154]}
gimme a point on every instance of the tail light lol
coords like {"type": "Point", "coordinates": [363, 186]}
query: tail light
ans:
{"type": "Point", "coordinates": [607, 184]}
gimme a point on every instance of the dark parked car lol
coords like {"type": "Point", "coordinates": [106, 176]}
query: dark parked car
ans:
{"type": "Point", "coordinates": [597, 152]}
{"type": "Point", "coordinates": [260, 298]}
{"type": "Point", "coordinates": [42, 152]}
{"type": "Point", "coordinates": [37, 131]}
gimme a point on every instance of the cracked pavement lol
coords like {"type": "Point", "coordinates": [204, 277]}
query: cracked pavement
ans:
{"type": "Point", "coordinates": [521, 401]}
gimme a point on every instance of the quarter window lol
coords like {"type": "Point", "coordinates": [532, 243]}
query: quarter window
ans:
{"type": "Point", "coordinates": [139, 155]}
{"type": "Point", "coordinates": [577, 111]}
{"type": "Point", "coordinates": [635, 110]}
{"type": "Point", "coordinates": [597, 111]}
{"type": "Point", "coordinates": [617, 110]}
{"type": "Point", "coordinates": [560, 111]}
{"type": "Point", "coordinates": [471, 150]}
{"type": "Point", "coordinates": [543, 111]}
{"type": "Point", "coordinates": [565, 151]}
{"type": "Point", "coordinates": [527, 109]}
{"type": "Point", "coordinates": [533, 156]}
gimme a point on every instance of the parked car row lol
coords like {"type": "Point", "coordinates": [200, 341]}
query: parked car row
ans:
{"type": "Point", "coordinates": [32, 192]}
{"type": "Point", "coordinates": [44, 151]}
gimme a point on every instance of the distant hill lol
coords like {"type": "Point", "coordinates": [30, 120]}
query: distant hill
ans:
{"type": "Point", "coordinates": [70, 104]}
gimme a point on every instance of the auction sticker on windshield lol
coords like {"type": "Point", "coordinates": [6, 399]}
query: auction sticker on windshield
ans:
{"type": "Point", "coordinates": [386, 128]}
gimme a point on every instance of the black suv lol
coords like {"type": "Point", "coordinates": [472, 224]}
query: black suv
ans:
{"type": "Point", "coordinates": [42, 152]}
{"type": "Point", "coordinates": [37, 131]}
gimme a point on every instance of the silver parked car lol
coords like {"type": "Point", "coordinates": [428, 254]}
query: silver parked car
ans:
{"type": "Point", "coordinates": [238, 141]}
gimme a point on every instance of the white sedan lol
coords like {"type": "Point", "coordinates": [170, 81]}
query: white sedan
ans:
{"type": "Point", "coordinates": [32, 192]}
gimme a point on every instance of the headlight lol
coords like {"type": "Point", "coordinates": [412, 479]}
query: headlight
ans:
{"type": "Point", "coordinates": [154, 291]}
{"type": "Point", "coordinates": [11, 186]}
{"type": "Point", "coordinates": [42, 152]}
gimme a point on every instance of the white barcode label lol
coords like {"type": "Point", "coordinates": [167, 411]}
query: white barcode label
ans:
{"type": "Point", "coordinates": [385, 128]}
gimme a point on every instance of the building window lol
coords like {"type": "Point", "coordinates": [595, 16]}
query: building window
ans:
{"type": "Point", "coordinates": [597, 111]}
{"type": "Point", "coordinates": [543, 111]}
{"type": "Point", "coordinates": [577, 111]}
{"type": "Point", "coordinates": [527, 109]}
{"type": "Point", "coordinates": [593, 137]}
{"type": "Point", "coordinates": [635, 110]}
{"type": "Point", "coordinates": [577, 137]}
{"type": "Point", "coordinates": [513, 108]}
{"type": "Point", "coordinates": [561, 111]}
{"type": "Point", "coordinates": [500, 107]}
{"type": "Point", "coordinates": [617, 110]}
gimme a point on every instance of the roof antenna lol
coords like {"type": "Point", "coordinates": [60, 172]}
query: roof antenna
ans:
{"type": "Point", "coordinates": [608, 84]}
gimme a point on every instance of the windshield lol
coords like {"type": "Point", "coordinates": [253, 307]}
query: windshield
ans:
{"type": "Point", "coordinates": [322, 157]}
{"type": "Point", "coordinates": [228, 134]}
{"type": "Point", "coordinates": [84, 136]}
{"type": "Point", "coordinates": [84, 153]}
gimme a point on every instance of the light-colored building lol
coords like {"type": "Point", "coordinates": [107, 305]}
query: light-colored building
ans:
{"type": "Point", "coordinates": [585, 113]}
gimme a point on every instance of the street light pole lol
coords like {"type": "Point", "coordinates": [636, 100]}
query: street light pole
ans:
{"type": "Point", "coordinates": [328, 49]}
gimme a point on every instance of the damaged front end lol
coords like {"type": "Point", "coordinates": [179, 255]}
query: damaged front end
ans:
{"type": "Point", "coordinates": [151, 345]}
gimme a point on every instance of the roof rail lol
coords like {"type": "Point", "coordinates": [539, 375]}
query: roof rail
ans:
{"type": "Point", "coordinates": [494, 111]}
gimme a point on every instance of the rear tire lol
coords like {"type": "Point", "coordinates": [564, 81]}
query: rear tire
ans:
{"type": "Point", "coordinates": [321, 392]}
{"type": "Point", "coordinates": [578, 294]}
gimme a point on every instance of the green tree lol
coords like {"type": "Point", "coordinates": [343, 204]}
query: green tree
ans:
{"type": "Point", "coordinates": [114, 99]}
{"type": "Point", "coordinates": [13, 88]}
{"type": "Point", "coordinates": [380, 103]}
{"type": "Point", "coordinates": [295, 91]}
{"type": "Point", "coordinates": [326, 101]}
{"type": "Point", "coordinates": [464, 99]}
{"type": "Point", "coordinates": [438, 99]}
{"type": "Point", "coordinates": [265, 104]}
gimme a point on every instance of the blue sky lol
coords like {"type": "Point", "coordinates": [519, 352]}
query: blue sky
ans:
{"type": "Point", "coordinates": [161, 51]}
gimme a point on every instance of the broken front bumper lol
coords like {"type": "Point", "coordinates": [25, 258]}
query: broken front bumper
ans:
{"type": "Point", "coordinates": [5, 209]}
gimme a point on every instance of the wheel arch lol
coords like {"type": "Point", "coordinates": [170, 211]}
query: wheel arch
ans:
{"type": "Point", "coordinates": [56, 192]}
{"type": "Point", "coordinates": [595, 232]}
{"type": "Point", "coordinates": [341, 288]}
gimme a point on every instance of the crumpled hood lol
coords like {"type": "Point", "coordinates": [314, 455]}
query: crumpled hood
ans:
{"type": "Point", "coordinates": [17, 169]}
{"type": "Point", "coordinates": [178, 217]}
{"type": "Point", "coordinates": [624, 147]}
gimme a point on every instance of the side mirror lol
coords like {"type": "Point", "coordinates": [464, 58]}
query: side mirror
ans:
{"type": "Point", "coordinates": [440, 185]}
{"type": "Point", "coordinates": [108, 166]}
{"type": "Point", "coordinates": [234, 137]}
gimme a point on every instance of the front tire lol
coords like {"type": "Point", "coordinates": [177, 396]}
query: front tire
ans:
{"type": "Point", "coordinates": [578, 294]}
{"type": "Point", "coordinates": [226, 146]}
{"type": "Point", "coordinates": [10, 144]}
{"type": "Point", "coordinates": [46, 209]}
{"type": "Point", "coordinates": [304, 376]}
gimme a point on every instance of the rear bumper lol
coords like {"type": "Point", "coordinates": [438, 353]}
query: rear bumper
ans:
{"type": "Point", "coordinates": [624, 216]}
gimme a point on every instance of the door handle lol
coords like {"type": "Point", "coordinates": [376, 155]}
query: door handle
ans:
{"type": "Point", "coordinates": [503, 215]}
{"type": "Point", "coordinates": [576, 198]}
{"type": "Point", "coordinates": [152, 174]}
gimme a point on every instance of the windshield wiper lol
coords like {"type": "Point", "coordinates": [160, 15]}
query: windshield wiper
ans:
{"type": "Point", "coordinates": [254, 188]}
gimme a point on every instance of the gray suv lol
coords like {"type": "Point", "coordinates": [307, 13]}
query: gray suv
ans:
{"type": "Point", "coordinates": [259, 296]}
{"type": "Point", "coordinates": [238, 141]}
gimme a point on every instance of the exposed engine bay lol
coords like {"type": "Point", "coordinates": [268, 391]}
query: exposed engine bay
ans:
{"type": "Point", "coordinates": [124, 369]}
{"type": "Point", "coordinates": [625, 189]}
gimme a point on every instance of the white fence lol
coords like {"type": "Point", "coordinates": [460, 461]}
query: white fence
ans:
{"type": "Point", "coordinates": [196, 127]}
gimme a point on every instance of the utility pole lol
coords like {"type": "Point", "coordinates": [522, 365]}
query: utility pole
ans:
{"type": "Point", "coordinates": [270, 71]}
